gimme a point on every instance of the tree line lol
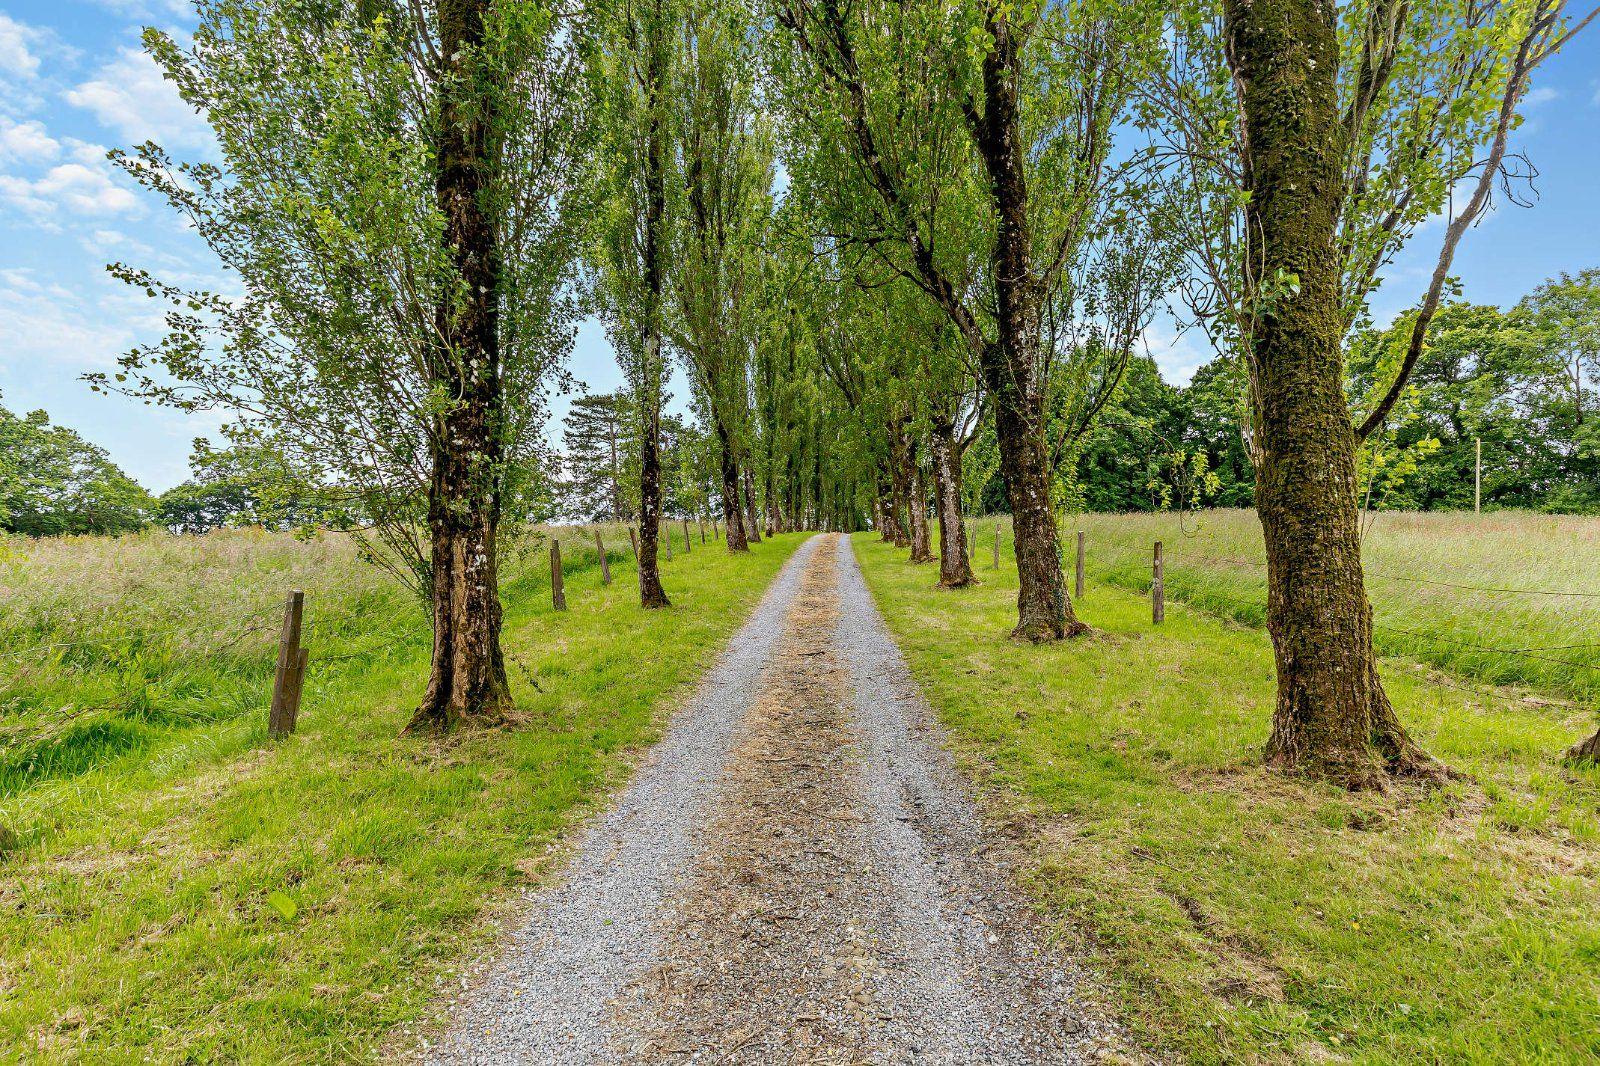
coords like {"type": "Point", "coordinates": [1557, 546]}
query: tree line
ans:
{"type": "Point", "coordinates": [905, 255]}
{"type": "Point", "coordinates": [1521, 384]}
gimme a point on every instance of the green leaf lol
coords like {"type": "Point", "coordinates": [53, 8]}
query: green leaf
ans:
{"type": "Point", "coordinates": [286, 907]}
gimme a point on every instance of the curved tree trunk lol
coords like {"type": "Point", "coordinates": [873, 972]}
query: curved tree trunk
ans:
{"type": "Point", "coordinates": [467, 680]}
{"type": "Point", "coordinates": [955, 567]}
{"type": "Point", "coordinates": [1333, 718]}
{"type": "Point", "coordinates": [1043, 612]}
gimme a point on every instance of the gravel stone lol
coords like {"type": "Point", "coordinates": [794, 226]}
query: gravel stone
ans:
{"type": "Point", "coordinates": [798, 874]}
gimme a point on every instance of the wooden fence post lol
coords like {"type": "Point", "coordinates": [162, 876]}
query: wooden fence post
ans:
{"type": "Point", "coordinates": [972, 550]}
{"type": "Point", "coordinates": [605, 564]}
{"type": "Point", "coordinates": [285, 688]}
{"type": "Point", "coordinates": [1080, 565]}
{"type": "Point", "coordinates": [702, 522]}
{"type": "Point", "coordinates": [667, 540]}
{"type": "Point", "coordinates": [301, 662]}
{"type": "Point", "coordinates": [686, 536]}
{"type": "Point", "coordinates": [633, 541]}
{"type": "Point", "coordinates": [996, 565]}
{"type": "Point", "coordinates": [558, 590]}
{"type": "Point", "coordinates": [1158, 587]}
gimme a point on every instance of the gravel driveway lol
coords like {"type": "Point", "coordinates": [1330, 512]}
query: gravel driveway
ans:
{"type": "Point", "coordinates": [797, 875]}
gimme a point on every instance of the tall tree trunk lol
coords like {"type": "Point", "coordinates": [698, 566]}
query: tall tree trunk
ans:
{"type": "Point", "coordinates": [651, 594]}
{"type": "Point", "coordinates": [752, 514]}
{"type": "Point", "coordinates": [1011, 365]}
{"type": "Point", "coordinates": [467, 680]}
{"type": "Point", "coordinates": [899, 486]}
{"type": "Point", "coordinates": [729, 469]}
{"type": "Point", "coordinates": [921, 537]}
{"type": "Point", "coordinates": [1332, 718]}
{"type": "Point", "coordinates": [955, 568]}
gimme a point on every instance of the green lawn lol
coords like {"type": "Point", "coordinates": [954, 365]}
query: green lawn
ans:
{"type": "Point", "coordinates": [204, 895]}
{"type": "Point", "coordinates": [1245, 916]}
{"type": "Point", "coordinates": [1478, 595]}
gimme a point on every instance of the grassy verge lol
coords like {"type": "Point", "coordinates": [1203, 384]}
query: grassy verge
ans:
{"type": "Point", "coordinates": [208, 896]}
{"type": "Point", "coordinates": [1468, 593]}
{"type": "Point", "coordinates": [1244, 916]}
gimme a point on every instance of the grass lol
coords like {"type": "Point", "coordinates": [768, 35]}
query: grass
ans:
{"type": "Point", "coordinates": [1415, 565]}
{"type": "Point", "coordinates": [206, 895]}
{"type": "Point", "coordinates": [1244, 916]}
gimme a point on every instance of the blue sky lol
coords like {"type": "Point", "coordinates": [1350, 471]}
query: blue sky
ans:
{"type": "Point", "coordinates": [74, 82]}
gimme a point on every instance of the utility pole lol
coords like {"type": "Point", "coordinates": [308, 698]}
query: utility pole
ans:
{"type": "Point", "coordinates": [1477, 479]}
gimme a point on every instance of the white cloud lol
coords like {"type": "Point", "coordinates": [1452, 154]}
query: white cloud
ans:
{"type": "Point", "coordinates": [85, 186]}
{"type": "Point", "coordinates": [43, 322]}
{"type": "Point", "coordinates": [129, 95]}
{"type": "Point", "coordinates": [1544, 94]}
{"type": "Point", "coordinates": [27, 142]}
{"type": "Point", "coordinates": [19, 58]}
{"type": "Point", "coordinates": [146, 10]}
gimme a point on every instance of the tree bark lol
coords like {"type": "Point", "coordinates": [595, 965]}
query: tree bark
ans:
{"type": "Point", "coordinates": [467, 680]}
{"type": "Point", "coordinates": [921, 538]}
{"type": "Point", "coordinates": [729, 469]}
{"type": "Point", "coordinates": [1585, 752]}
{"type": "Point", "coordinates": [884, 504]}
{"type": "Point", "coordinates": [1011, 364]}
{"type": "Point", "coordinates": [752, 514]}
{"type": "Point", "coordinates": [899, 486]}
{"type": "Point", "coordinates": [1332, 719]}
{"type": "Point", "coordinates": [955, 568]}
{"type": "Point", "coordinates": [651, 593]}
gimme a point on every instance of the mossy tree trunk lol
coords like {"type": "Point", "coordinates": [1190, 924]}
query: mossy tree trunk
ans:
{"type": "Point", "coordinates": [1333, 718]}
{"type": "Point", "coordinates": [467, 681]}
{"type": "Point", "coordinates": [899, 485]}
{"type": "Point", "coordinates": [1011, 365]}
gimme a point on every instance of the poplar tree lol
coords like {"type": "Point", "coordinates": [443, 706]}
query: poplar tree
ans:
{"type": "Point", "coordinates": [725, 172]}
{"type": "Point", "coordinates": [638, 71]}
{"type": "Point", "coordinates": [397, 203]}
{"type": "Point", "coordinates": [970, 147]}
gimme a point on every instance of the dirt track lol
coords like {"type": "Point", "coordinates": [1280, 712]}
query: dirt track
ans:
{"type": "Point", "coordinates": [798, 875]}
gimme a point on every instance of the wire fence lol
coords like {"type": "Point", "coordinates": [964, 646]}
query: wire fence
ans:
{"type": "Point", "coordinates": [1174, 564]}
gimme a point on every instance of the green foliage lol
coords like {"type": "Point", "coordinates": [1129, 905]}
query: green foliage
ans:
{"type": "Point", "coordinates": [1515, 380]}
{"type": "Point", "coordinates": [244, 485]}
{"type": "Point", "coordinates": [600, 457]}
{"type": "Point", "coordinates": [53, 482]}
{"type": "Point", "coordinates": [323, 209]}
